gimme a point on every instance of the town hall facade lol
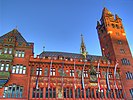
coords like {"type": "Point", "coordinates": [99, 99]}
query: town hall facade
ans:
{"type": "Point", "coordinates": [68, 76]}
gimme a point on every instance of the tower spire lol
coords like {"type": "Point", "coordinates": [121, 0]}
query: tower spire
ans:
{"type": "Point", "coordinates": [83, 47]}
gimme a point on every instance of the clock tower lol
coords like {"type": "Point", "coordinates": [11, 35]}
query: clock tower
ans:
{"type": "Point", "coordinates": [114, 46]}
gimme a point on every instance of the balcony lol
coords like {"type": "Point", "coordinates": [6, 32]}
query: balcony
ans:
{"type": "Point", "coordinates": [6, 56]}
{"type": "Point", "coordinates": [4, 77]}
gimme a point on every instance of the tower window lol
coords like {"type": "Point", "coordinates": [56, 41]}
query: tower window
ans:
{"type": "Point", "coordinates": [117, 26]}
{"type": "Point", "coordinates": [131, 92]}
{"type": "Point", "coordinates": [113, 25]}
{"type": "Point", "coordinates": [119, 42]}
{"type": "Point", "coordinates": [129, 75]}
{"type": "Point", "coordinates": [125, 61]}
{"type": "Point", "coordinates": [108, 55]}
{"type": "Point", "coordinates": [122, 51]}
{"type": "Point", "coordinates": [106, 46]}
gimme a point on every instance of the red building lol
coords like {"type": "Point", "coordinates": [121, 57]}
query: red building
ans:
{"type": "Point", "coordinates": [62, 75]}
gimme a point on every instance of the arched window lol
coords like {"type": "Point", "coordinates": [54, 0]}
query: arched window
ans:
{"type": "Point", "coordinates": [117, 26]}
{"type": "Point", "coordinates": [125, 61]}
{"type": "Point", "coordinates": [113, 25]}
{"type": "Point", "coordinates": [37, 93]}
{"type": "Point", "coordinates": [13, 91]}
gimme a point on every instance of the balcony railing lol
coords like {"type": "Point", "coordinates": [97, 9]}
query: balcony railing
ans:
{"type": "Point", "coordinates": [6, 56]}
{"type": "Point", "coordinates": [4, 75]}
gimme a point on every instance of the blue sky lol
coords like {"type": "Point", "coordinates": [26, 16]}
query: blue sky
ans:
{"type": "Point", "coordinates": [57, 24]}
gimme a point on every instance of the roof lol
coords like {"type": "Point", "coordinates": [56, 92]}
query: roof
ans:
{"type": "Point", "coordinates": [68, 55]}
{"type": "Point", "coordinates": [16, 33]}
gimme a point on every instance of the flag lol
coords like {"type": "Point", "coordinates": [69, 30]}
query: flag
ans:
{"type": "Point", "coordinates": [62, 74]}
{"type": "Point", "coordinates": [107, 77]}
{"type": "Point", "coordinates": [74, 75]}
{"type": "Point", "coordinates": [115, 75]}
{"type": "Point", "coordinates": [37, 78]}
{"type": "Point", "coordinates": [98, 72]}
{"type": "Point", "coordinates": [49, 74]}
{"type": "Point", "coordinates": [82, 77]}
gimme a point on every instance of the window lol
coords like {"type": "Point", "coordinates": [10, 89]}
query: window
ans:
{"type": "Point", "coordinates": [131, 92]}
{"type": "Point", "coordinates": [13, 91]}
{"type": "Point", "coordinates": [37, 93]}
{"type": "Point", "coordinates": [101, 93]}
{"type": "Point", "coordinates": [108, 54]}
{"type": "Point", "coordinates": [92, 93]}
{"type": "Point", "coordinates": [52, 72]}
{"type": "Point", "coordinates": [88, 94]}
{"type": "Point", "coordinates": [4, 67]}
{"type": "Point", "coordinates": [118, 93]}
{"type": "Point", "coordinates": [19, 69]}
{"type": "Point", "coordinates": [51, 93]}
{"type": "Point", "coordinates": [110, 75]}
{"type": "Point", "coordinates": [117, 26]}
{"type": "Point", "coordinates": [85, 73]}
{"type": "Point", "coordinates": [5, 50]}
{"type": "Point", "coordinates": [129, 75]}
{"type": "Point", "coordinates": [71, 72]}
{"type": "Point", "coordinates": [10, 50]}
{"type": "Point", "coordinates": [78, 93]}
{"type": "Point", "coordinates": [39, 71]}
{"type": "Point", "coordinates": [106, 46]}
{"type": "Point", "coordinates": [122, 51]}
{"type": "Point", "coordinates": [68, 93]}
{"type": "Point", "coordinates": [113, 25]}
{"type": "Point", "coordinates": [125, 61]}
{"type": "Point", "coordinates": [119, 42]}
{"type": "Point", "coordinates": [19, 53]}
{"type": "Point", "coordinates": [112, 93]}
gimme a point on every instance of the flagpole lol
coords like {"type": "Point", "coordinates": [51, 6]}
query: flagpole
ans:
{"type": "Point", "coordinates": [99, 88]}
{"type": "Point", "coordinates": [37, 78]}
{"type": "Point", "coordinates": [107, 77]}
{"type": "Point", "coordinates": [62, 78]}
{"type": "Point", "coordinates": [49, 74]}
{"type": "Point", "coordinates": [115, 75]}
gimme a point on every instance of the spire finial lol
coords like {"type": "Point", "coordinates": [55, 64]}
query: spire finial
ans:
{"type": "Point", "coordinates": [43, 48]}
{"type": "Point", "coordinates": [83, 47]}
